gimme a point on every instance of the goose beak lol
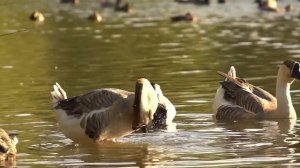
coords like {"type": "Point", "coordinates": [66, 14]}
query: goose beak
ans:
{"type": "Point", "coordinates": [296, 71]}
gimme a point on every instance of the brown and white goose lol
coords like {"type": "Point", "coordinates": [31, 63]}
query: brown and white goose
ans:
{"type": "Point", "coordinates": [105, 114]}
{"type": "Point", "coordinates": [236, 99]}
{"type": "Point", "coordinates": [8, 150]}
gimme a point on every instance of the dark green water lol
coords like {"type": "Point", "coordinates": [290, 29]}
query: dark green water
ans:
{"type": "Point", "coordinates": [182, 57]}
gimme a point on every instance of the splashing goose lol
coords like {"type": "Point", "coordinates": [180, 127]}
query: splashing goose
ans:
{"type": "Point", "coordinates": [236, 99]}
{"type": "Point", "coordinates": [105, 114]}
{"type": "Point", "coordinates": [8, 144]}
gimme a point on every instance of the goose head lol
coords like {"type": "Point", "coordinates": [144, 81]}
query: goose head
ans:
{"type": "Point", "coordinates": [290, 70]}
{"type": "Point", "coordinates": [145, 103]}
{"type": "Point", "coordinates": [8, 143]}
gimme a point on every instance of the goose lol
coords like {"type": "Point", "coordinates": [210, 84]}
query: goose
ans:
{"type": "Point", "coordinates": [108, 113]}
{"type": "Point", "coordinates": [107, 4]}
{"type": "Point", "coordinates": [202, 2]}
{"type": "Point", "coordinates": [198, 2]}
{"type": "Point", "coordinates": [76, 2]}
{"type": "Point", "coordinates": [8, 144]}
{"type": "Point", "coordinates": [237, 99]}
{"type": "Point", "coordinates": [272, 5]}
{"type": "Point", "coordinates": [95, 16]}
{"type": "Point", "coordinates": [37, 16]}
{"type": "Point", "coordinates": [188, 17]}
{"type": "Point", "coordinates": [267, 5]}
{"type": "Point", "coordinates": [120, 6]}
{"type": "Point", "coordinates": [184, 1]}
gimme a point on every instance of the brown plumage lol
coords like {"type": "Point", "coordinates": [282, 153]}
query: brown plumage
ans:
{"type": "Point", "coordinates": [108, 113]}
{"type": "Point", "coordinates": [120, 6]}
{"type": "Point", "coordinates": [188, 17]}
{"type": "Point", "coordinates": [76, 2]}
{"type": "Point", "coordinates": [8, 150]}
{"type": "Point", "coordinates": [237, 99]}
{"type": "Point", "coordinates": [198, 2]}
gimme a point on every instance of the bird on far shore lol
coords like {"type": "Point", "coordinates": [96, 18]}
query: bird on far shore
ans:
{"type": "Point", "coordinates": [188, 17]}
{"type": "Point", "coordinates": [37, 16]}
{"type": "Point", "coordinates": [121, 6]}
{"type": "Point", "coordinates": [95, 16]}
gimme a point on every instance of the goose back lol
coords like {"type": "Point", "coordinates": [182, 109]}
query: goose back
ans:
{"type": "Point", "coordinates": [95, 100]}
{"type": "Point", "coordinates": [110, 122]}
{"type": "Point", "coordinates": [253, 99]}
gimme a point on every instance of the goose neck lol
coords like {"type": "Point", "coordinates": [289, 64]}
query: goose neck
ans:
{"type": "Point", "coordinates": [283, 96]}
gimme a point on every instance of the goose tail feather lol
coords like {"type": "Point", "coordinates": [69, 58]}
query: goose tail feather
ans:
{"type": "Point", "coordinates": [58, 94]}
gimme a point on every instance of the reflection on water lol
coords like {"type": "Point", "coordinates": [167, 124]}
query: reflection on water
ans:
{"type": "Point", "coordinates": [182, 57]}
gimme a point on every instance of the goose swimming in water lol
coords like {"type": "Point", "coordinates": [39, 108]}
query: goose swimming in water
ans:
{"type": "Point", "coordinates": [108, 113]}
{"type": "Point", "coordinates": [37, 16]}
{"type": "Point", "coordinates": [95, 16]}
{"type": "Point", "coordinates": [76, 2]}
{"type": "Point", "coordinates": [237, 99]}
{"type": "Point", "coordinates": [8, 142]}
{"type": "Point", "coordinates": [120, 6]}
{"type": "Point", "coordinates": [188, 17]}
{"type": "Point", "coordinates": [272, 6]}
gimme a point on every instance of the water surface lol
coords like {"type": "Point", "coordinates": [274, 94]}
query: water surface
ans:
{"type": "Point", "coordinates": [182, 57]}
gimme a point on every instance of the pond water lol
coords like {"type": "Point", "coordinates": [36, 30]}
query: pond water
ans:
{"type": "Point", "coordinates": [182, 57]}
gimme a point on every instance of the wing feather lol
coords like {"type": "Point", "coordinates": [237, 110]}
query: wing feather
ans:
{"type": "Point", "coordinates": [263, 94]}
{"type": "Point", "coordinates": [242, 93]}
{"type": "Point", "coordinates": [233, 113]}
{"type": "Point", "coordinates": [94, 100]}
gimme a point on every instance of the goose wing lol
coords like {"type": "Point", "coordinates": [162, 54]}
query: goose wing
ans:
{"type": "Point", "coordinates": [233, 112]}
{"type": "Point", "coordinates": [263, 94]}
{"type": "Point", "coordinates": [94, 100]}
{"type": "Point", "coordinates": [251, 98]}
